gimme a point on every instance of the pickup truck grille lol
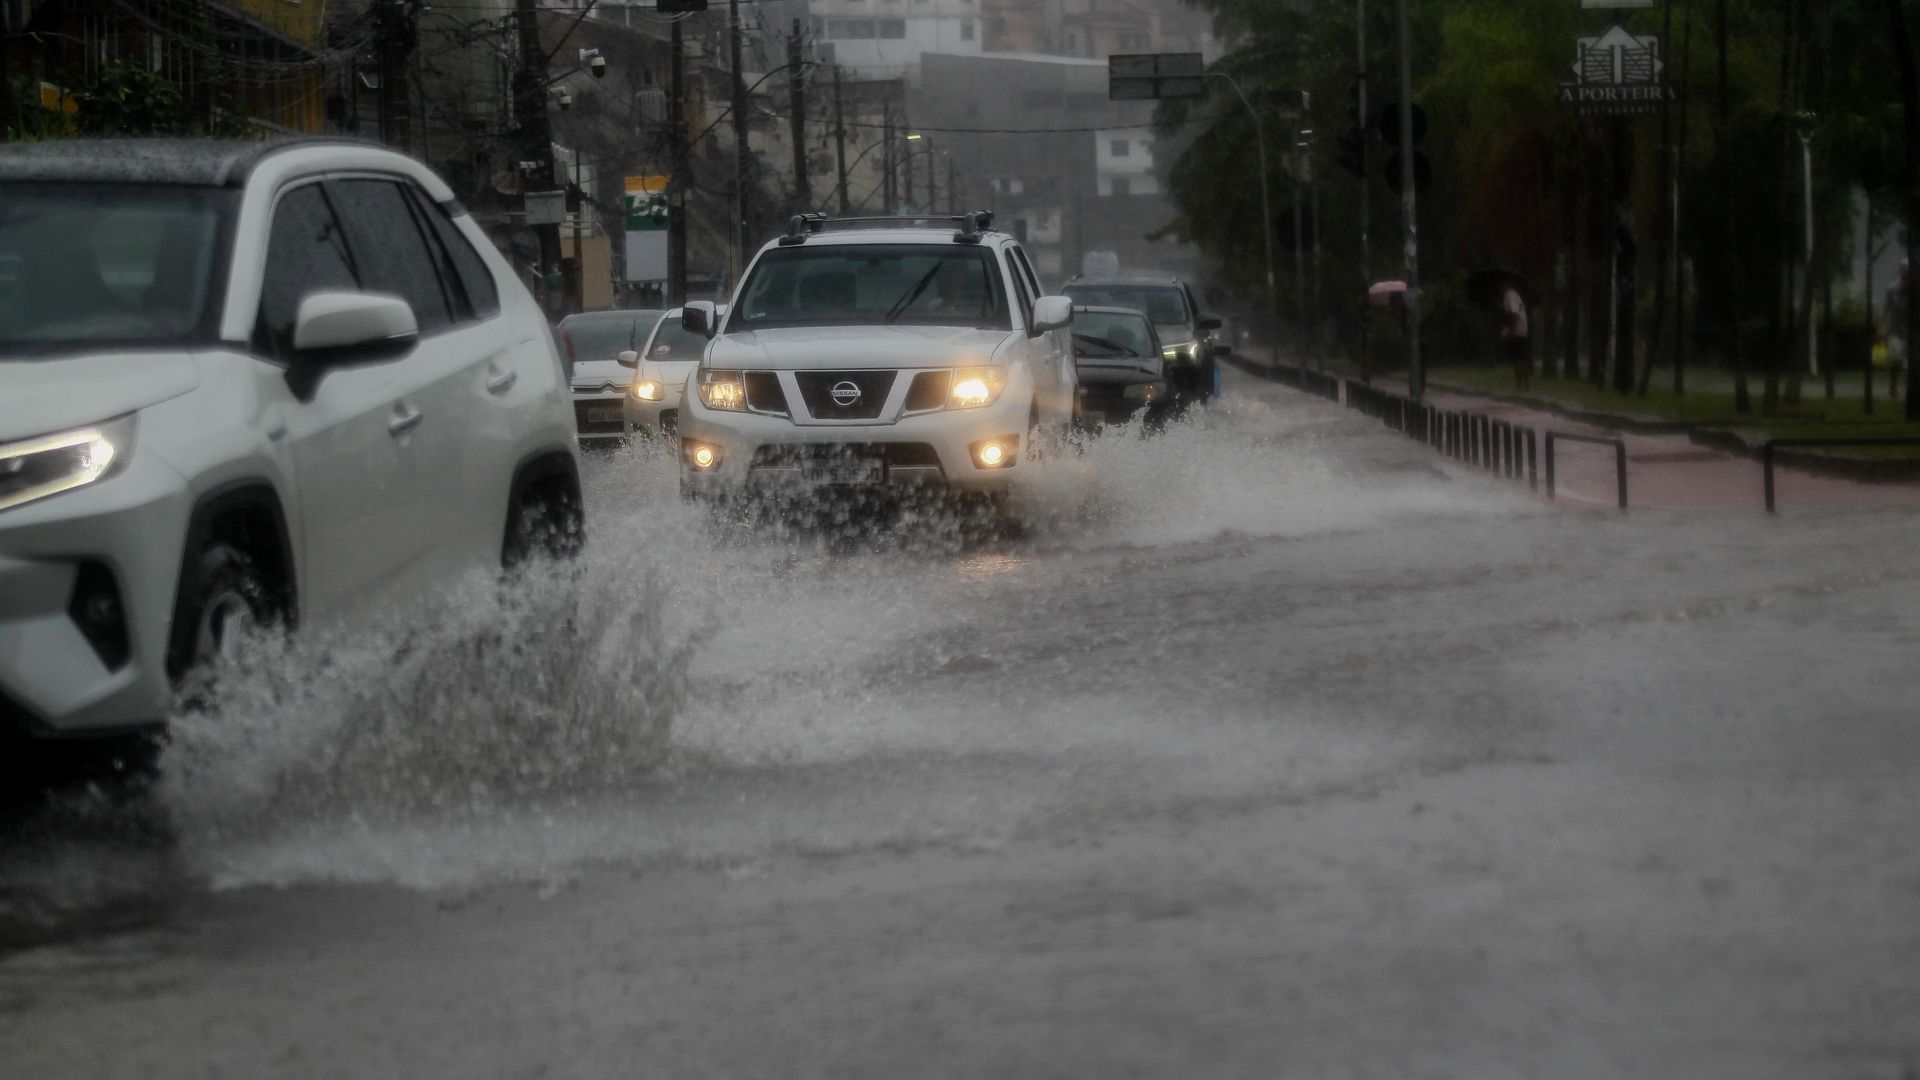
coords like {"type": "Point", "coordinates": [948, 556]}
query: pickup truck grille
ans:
{"type": "Point", "coordinates": [817, 387]}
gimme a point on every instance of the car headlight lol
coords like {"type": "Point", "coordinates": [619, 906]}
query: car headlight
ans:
{"type": "Point", "coordinates": [975, 387]}
{"type": "Point", "coordinates": [1182, 351]}
{"type": "Point", "coordinates": [646, 389]}
{"type": "Point", "coordinates": [723, 390]}
{"type": "Point", "coordinates": [32, 469]}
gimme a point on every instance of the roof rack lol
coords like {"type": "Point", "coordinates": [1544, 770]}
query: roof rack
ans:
{"type": "Point", "coordinates": [971, 225]}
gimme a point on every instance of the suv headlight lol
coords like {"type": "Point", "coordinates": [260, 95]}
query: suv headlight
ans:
{"type": "Point", "coordinates": [1182, 351]}
{"type": "Point", "coordinates": [975, 387]}
{"type": "Point", "coordinates": [723, 390]}
{"type": "Point", "coordinates": [33, 469]}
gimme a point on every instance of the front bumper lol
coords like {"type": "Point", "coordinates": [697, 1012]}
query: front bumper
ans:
{"type": "Point", "coordinates": [126, 531]}
{"type": "Point", "coordinates": [761, 453]}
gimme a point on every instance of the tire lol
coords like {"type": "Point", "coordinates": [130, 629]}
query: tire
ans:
{"type": "Point", "coordinates": [223, 601]}
{"type": "Point", "coordinates": [545, 522]}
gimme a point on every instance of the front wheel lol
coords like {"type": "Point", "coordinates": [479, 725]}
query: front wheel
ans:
{"type": "Point", "coordinates": [223, 601]}
{"type": "Point", "coordinates": [544, 521]}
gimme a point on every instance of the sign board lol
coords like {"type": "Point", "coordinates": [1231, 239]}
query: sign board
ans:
{"type": "Point", "coordinates": [646, 256]}
{"type": "Point", "coordinates": [1153, 76]}
{"type": "Point", "coordinates": [1618, 73]}
{"type": "Point", "coordinates": [546, 207]}
{"type": "Point", "coordinates": [646, 203]}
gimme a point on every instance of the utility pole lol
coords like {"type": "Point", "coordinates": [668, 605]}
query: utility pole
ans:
{"type": "Point", "coordinates": [536, 136]}
{"type": "Point", "coordinates": [1416, 376]}
{"type": "Point", "coordinates": [1301, 182]}
{"type": "Point", "coordinates": [953, 187]}
{"type": "Point", "coordinates": [886, 157]}
{"type": "Point", "coordinates": [1366, 176]}
{"type": "Point", "coordinates": [677, 183]}
{"type": "Point", "coordinates": [797, 119]}
{"type": "Point", "coordinates": [840, 141]}
{"type": "Point", "coordinates": [737, 262]}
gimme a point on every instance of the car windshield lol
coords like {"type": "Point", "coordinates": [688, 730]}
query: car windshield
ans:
{"type": "Point", "coordinates": [86, 266]}
{"type": "Point", "coordinates": [1107, 335]}
{"type": "Point", "coordinates": [605, 335]}
{"type": "Point", "coordinates": [1164, 304]}
{"type": "Point", "coordinates": [673, 342]}
{"type": "Point", "coordinates": [865, 285]}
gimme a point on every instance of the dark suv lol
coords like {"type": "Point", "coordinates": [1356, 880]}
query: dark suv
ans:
{"type": "Point", "coordinates": [1186, 335]}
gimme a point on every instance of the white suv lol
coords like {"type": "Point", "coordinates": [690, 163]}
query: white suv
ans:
{"type": "Point", "coordinates": [259, 381]}
{"type": "Point", "coordinates": [876, 353]}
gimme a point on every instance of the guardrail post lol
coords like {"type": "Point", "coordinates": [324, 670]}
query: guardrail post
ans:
{"type": "Point", "coordinates": [1533, 461]}
{"type": "Point", "coordinates": [1549, 466]}
{"type": "Point", "coordinates": [1766, 467]}
{"type": "Point", "coordinates": [1620, 466]}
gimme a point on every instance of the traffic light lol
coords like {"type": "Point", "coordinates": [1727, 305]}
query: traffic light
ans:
{"type": "Point", "coordinates": [1353, 152]}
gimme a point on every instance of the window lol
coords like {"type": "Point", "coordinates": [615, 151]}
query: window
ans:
{"type": "Point", "coordinates": [1121, 148]}
{"type": "Point", "coordinates": [1166, 305]}
{"type": "Point", "coordinates": [478, 297]}
{"type": "Point", "coordinates": [390, 249]}
{"type": "Point", "coordinates": [852, 29]}
{"type": "Point", "coordinates": [306, 253]}
{"type": "Point", "coordinates": [1020, 292]}
{"type": "Point", "coordinates": [1121, 186]}
{"type": "Point", "coordinates": [868, 285]}
{"type": "Point", "coordinates": [1033, 280]}
{"type": "Point", "coordinates": [1133, 41]}
{"type": "Point", "coordinates": [892, 28]}
{"type": "Point", "coordinates": [83, 265]}
{"type": "Point", "coordinates": [966, 29]}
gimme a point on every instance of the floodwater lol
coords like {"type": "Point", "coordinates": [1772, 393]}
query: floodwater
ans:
{"type": "Point", "coordinates": [1271, 746]}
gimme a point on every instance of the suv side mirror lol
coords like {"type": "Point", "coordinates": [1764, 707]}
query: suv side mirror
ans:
{"type": "Point", "coordinates": [346, 329]}
{"type": "Point", "coordinates": [698, 317]}
{"type": "Point", "coordinates": [628, 358]}
{"type": "Point", "coordinates": [1051, 313]}
{"type": "Point", "coordinates": [1207, 322]}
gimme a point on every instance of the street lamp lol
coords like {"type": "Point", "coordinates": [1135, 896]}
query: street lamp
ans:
{"type": "Point", "coordinates": [1806, 124]}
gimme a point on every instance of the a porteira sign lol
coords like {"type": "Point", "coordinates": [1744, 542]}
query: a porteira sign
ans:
{"type": "Point", "coordinates": [1618, 73]}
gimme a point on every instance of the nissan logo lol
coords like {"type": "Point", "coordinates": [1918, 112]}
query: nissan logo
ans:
{"type": "Point", "coordinates": [845, 394]}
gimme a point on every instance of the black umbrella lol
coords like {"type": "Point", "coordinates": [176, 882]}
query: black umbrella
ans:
{"type": "Point", "coordinates": [1485, 287]}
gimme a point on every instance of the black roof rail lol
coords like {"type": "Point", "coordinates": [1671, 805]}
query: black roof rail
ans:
{"type": "Point", "coordinates": [969, 225]}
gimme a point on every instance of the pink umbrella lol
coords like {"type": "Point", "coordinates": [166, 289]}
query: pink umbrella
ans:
{"type": "Point", "coordinates": [1387, 293]}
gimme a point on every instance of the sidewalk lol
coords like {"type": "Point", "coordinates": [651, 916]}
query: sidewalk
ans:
{"type": "Point", "coordinates": [1665, 469]}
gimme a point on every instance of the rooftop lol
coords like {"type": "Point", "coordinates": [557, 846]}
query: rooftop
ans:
{"type": "Point", "coordinates": [210, 162]}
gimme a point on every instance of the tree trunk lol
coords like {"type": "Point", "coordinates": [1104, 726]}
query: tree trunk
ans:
{"type": "Point", "coordinates": [1873, 328]}
{"type": "Point", "coordinates": [1656, 338]}
{"type": "Point", "coordinates": [1730, 335]}
{"type": "Point", "coordinates": [1902, 38]}
{"type": "Point", "coordinates": [1682, 341]}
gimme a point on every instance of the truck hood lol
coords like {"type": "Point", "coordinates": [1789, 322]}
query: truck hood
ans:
{"type": "Point", "coordinates": [834, 347]}
{"type": "Point", "coordinates": [41, 397]}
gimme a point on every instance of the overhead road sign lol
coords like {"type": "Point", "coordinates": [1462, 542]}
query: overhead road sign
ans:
{"type": "Point", "coordinates": [1155, 76]}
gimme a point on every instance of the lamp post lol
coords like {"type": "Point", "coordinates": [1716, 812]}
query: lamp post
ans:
{"type": "Point", "coordinates": [1806, 123]}
{"type": "Point", "coordinates": [1266, 211]}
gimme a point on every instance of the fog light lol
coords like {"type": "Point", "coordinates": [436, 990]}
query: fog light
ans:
{"type": "Point", "coordinates": [996, 453]}
{"type": "Point", "coordinates": [702, 456]}
{"type": "Point", "coordinates": [97, 612]}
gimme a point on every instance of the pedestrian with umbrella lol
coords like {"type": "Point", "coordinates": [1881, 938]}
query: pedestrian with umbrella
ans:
{"type": "Point", "coordinates": [1508, 296]}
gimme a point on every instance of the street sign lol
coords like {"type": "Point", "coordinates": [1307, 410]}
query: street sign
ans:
{"type": "Point", "coordinates": [1618, 73]}
{"type": "Point", "coordinates": [646, 203]}
{"type": "Point", "coordinates": [1154, 76]}
{"type": "Point", "coordinates": [546, 207]}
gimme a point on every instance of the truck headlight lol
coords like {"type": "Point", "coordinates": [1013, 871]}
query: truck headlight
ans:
{"type": "Point", "coordinates": [975, 387]}
{"type": "Point", "coordinates": [646, 389]}
{"type": "Point", "coordinates": [723, 390]}
{"type": "Point", "coordinates": [1182, 352]}
{"type": "Point", "coordinates": [33, 469]}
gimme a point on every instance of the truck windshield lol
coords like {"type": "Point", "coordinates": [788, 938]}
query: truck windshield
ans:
{"type": "Point", "coordinates": [90, 266]}
{"type": "Point", "coordinates": [872, 285]}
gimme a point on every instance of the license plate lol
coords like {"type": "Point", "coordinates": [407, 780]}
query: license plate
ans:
{"type": "Point", "coordinates": [846, 472]}
{"type": "Point", "coordinates": [604, 414]}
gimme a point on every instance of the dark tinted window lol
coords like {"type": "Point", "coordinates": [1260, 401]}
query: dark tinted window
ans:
{"type": "Point", "coordinates": [306, 253]}
{"type": "Point", "coordinates": [1020, 292]}
{"type": "Point", "coordinates": [86, 265]}
{"type": "Point", "coordinates": [604, 335]}
{"type": "Point", "coordinates": [673, 342]}
{"type": "Point", "coordinates": [1033, 280]}
{"type": "Point", "coordinates": [469, 270]}
{"type": "Point", "coordinates": [392, 250]}
{"type": "Point", "coordinates": [1166, 305]}
{"type": "Point", "coordinates": [864, 285]}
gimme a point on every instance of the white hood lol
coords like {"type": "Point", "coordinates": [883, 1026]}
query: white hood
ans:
{"type": "Point", "coordinates": [39, 397]}
{"type": "Point", "coordinates": [835, 347]}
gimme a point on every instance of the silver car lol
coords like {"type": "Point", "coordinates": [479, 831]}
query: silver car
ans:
{"type": "Point", "coordinates": [592, 342]}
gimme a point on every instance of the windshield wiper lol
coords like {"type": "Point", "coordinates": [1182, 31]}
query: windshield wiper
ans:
{"type": "Point", "coordinates": [1102, 343]}
{"type": "Point", "coordinates": [913, 294]}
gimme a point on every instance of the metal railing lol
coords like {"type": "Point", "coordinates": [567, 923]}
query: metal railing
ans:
{"type": "Point", "coordinates": [1619, 459]}
{"type": "Point", "coordinates": [1497, 446]}
{"type": "Point", "coordinates": [1793, 442]}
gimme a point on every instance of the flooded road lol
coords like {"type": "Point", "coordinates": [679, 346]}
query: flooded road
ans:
{"type": "Point", "coordinates": [1271, 747]}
